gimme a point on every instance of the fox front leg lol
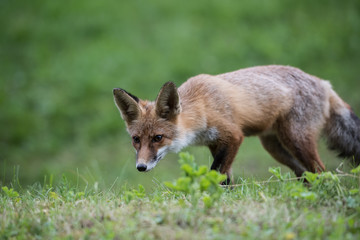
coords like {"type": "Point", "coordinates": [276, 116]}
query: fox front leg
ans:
{"type": "Point", "coordinates": [224, 155]}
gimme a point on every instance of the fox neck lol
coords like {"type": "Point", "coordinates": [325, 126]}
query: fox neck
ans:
{"type": "Point", "coordinates": [192, 129]}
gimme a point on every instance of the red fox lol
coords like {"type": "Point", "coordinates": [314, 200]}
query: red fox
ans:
{"type": "Point", "coordinates": [286, 107]}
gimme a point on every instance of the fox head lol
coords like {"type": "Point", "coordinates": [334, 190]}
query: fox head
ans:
{"type": "Point", "coordinates": [151, 125]}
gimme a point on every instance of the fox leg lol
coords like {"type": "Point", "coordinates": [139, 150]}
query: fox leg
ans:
{"type": "Point", "coordinates": [224, 154]}
{"type": "Point", "coordinates": [272, 144]}
{"type": "Point", "coordinates": [303, 147]}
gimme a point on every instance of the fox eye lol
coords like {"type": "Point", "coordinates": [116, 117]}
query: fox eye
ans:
{"type": "Point", "coordinates": [157, 138]}
{"type": "Point", "coordinates": [136, 139]}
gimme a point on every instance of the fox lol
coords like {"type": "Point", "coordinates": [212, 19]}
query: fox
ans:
{"type": "Point", "coordinates": [285, 107]}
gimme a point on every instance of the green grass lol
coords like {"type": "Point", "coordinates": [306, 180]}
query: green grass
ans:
{"type": "Point", "coordinates": [278, 208]}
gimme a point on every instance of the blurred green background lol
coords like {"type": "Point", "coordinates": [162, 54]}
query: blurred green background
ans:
{"type": "Point", "coordinates": [60, 60]}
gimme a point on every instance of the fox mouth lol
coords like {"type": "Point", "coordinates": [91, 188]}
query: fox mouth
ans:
{"type": "Point", "coordinates": [154, 162]}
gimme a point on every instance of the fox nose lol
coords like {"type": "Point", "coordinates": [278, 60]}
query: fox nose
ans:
{"type": "Point", "coordinates": [141, 167]}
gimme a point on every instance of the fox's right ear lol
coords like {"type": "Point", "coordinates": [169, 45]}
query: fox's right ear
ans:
{"type": "Point", "coordinates": [168, 102]}
{"type": "Point", "coordinates": [127, 104]}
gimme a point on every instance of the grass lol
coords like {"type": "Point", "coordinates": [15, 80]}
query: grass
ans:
{"type": "Point", "coordinates": [279, 208]}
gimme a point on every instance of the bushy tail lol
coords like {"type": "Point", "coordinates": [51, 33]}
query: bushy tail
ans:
{"type": "Point", "coordinates": [343, 130]}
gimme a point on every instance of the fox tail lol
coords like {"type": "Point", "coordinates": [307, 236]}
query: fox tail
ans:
{"type": "Point", "coordinates": [343, 129]}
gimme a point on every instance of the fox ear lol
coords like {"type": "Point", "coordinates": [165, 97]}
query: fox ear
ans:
{"type": "Point", "coordinates": [168, 102]}
{"type": "Point", "coordinates": [127, 104]}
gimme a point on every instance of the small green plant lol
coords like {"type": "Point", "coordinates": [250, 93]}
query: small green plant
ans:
{"type": "Point", "coordinates": [356, 170]}
{"type": "Point", "coordinates": [276, 171]}
{"type": "Point", "coordinates": [321, 186]}
{"type": "Point", "coordinates": [326, 184]}
{"type": "Point", "coordinates": [295, 188]}
{"type": "Point", "coordinates": [64, 190]}
{"type": "Point", "coordinates": [11, 193]}
{"type": "Point", "coordinates": [132, 194]}
{"type": "Point", "coordinates": [198, 182]}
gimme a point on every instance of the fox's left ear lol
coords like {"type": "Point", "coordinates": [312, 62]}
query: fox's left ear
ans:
{"type": "Point", "coordinates": [168, 102]}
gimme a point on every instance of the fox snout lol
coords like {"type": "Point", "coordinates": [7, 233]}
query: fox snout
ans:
{"type": "Point", "coordinates": [141, 167]}
{"type": "Point", "coordinates": [145, 167]}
